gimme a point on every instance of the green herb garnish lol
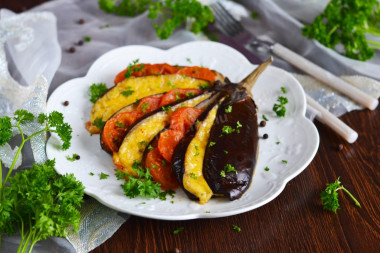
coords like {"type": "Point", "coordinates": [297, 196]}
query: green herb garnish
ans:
{"type": "Point", "coordinates": [96, 91]}
{"type": "Point", "coordinates": [265, 118]}
{"type": "Point", "coordinates": [99, 123]}
{"type": "Point", "coordinates": [193, 176]}
{"type": "Point", "coordinates": [103, 176]}
{"type": "Point", "coordinates": [284, 161]}
{"type": "Point", "coordinates": [87, 38]}
{"type": "Point", "coordinates": [211, 144]}
{"type": "Point", "coordinates": [72, 158]}
{"type": "Point", "coordinates": [228, 130]}
{"type": "Point", "coordinates": [266, 168]}
{"type": "Point", "coordinates": [236, 228]}
{"type": "Point", "coordinates": [330, 198]}
{"type": "Point", "coordinates": [343, 26]}
{"type": "Point", "coordinates": [166, 108]}
{"type": "Point", "coordinates": [204, 86]}
{"type": "Point", "coordinates": [120, 124]}
{"type": "Point", "coordinates": [178, 230]}
{"type": "Point", "coordinates": [127, 93]}
{"type": "Point", "coordinates": [283, 90]}
{"type": "Point", "coordinates": [280, 109]}
{"type": "Point", "coordinates": [228, 109]}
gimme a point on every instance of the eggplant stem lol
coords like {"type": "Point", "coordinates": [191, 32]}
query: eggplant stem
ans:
{"type": "Point", "coordinates": [251, 79]}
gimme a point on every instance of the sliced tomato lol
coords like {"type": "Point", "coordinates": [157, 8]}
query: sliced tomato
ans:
{"type": "Point", "coordinates": [177, 94]}
{"type": "Point", "coordinates": [115, 129]}
{"type": "Point", "coordinates": [180, 123]}
{"type": "Point", "coordinates": [161, 170]}
{"type": "Point", "coordinates": [184, 118]}
{"type": "Point", "coordinates": [198, 72]}
{"type": "Point", "coordinates": [149, 104]}
{"type": "Point", "coordinates": [147, 70]}
{"type": "Point", "coordinates": [165, 69]}
{"type": "Point", "coordinates": [168, 141]}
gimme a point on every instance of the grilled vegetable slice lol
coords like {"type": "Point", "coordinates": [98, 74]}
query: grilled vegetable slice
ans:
{"type": "Point", "coordinates": [144, 130]}
{"type": "Point", "coordinates": [134, 88]}
{"type": "Point", "coordinates": [228, 168]}
{"type": "Point", "coordinates": [188, 157]}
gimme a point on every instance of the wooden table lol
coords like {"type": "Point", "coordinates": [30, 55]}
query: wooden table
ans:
{"type": "Point", "coordinates": [295, 220]}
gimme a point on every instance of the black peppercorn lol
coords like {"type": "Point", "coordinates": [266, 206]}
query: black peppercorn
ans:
{"type": "Point", "coordinates": [263, 123]}
{"type": "Point", "coordinates": [265, 136]}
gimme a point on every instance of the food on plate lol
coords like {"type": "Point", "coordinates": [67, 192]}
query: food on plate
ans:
{"type": "Point", "coordinates": [186, 136]}
{"type": "Point", "coordinates": [148, 81]}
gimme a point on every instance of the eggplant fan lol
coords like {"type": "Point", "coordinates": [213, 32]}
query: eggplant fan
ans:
{"type": "Point", "coordinates": [204, 140]}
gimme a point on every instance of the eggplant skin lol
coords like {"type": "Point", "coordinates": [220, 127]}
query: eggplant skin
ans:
{"type": "Point", "coordinates": [242, 147]}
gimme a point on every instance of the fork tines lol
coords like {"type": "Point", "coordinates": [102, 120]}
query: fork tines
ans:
{"type": "Point", "coordinates": [224, 21]}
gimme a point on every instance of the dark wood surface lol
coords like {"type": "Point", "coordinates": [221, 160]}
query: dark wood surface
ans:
{"type": "Point", "coordinates": [295, 220]}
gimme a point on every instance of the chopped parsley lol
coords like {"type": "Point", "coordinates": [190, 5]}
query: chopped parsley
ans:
{"type": "Point", "coordinates": [91, 174]}
{"type": "Point", "coordinates": [190, 94]}
{"type": "Point", "coordinates": [177, 97]}
{"type": "Point", "coordinates": [225, 151]}
{"type": "Point", "coordinates": [284, 161]}
{"type": "Point", "coordinates": [236, 228]}
{"type": "Point", "coordinates": [266, 168]}
{"type": "Point", "coordinates": [211, 144]}
{"type": "Point", "coordinates": [178, 230]}
{"type": "Point", "coordinates": [120, 124]}
{"type": "Point", "coordinates": [127, 92]}
{"type": "Point", "coordinates": [132, 67]}
{"type": "Point", "coordinates": [163, 162]}
{"type": "Point", "coordinates": [228, 129]}
{"type": "Point", "coordinates": [228, 109]}
{"type": "Point", "coordinates": [228, 168]}
{"type": "Point", "coordinates": [265, 118]}
{"type": "Point", "coordinates": [277, 142]}
{"type": "Point", "coordinates": [204, 86]}
{"type": "Point", "coordinates": [144, 106]}
{"type": "Point", "coordinates": [72, 158]}
{"type": "Point", "coordinates": [150, 148]}
{"type": "Point", "coordinates": [283, 90]}
{"type": "Point", "coordinates": [99, 123]}
{"type": "Point", "coordinates": [193, 176]}
{"type": "Point", "coordinates": [166, 108]}
{"type": "Point", "coordinates": [280, 109]}
{"type": "Point", "coordinates": [87, 38]}
{"type": "Point", "coordinates": [188, 60]}
{"type": "Point", "coordinates": [96, 91]}
{"type": "Point", "coordinates": [170, 84]}
{"type": "Point", "coordinates": [103, 176]}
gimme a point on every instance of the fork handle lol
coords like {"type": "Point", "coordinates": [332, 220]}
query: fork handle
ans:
{"type": "Point", "coordinates": [325, 76]}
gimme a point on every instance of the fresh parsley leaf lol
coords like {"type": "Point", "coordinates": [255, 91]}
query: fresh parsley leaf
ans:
{"type": "Point", "coordinates": [343, 26]}
{"type": "Point", "coordinates": [22, 116]}
{"type": "Point", "coordinates": [266, 168]}
{"type": "Point", "coordinates": [99, 123]}
{"type": "Point", "coordinates": [96, 91]}
{"type": "Point", "coordinates": [178, 230]}
{"type": "Point", "coordinates": [223, 173]}
{"type": "Point", "coordinates": [131, 68]}
{"type": "Point", "coordinates": [236, 228]}
{"type": "Point", "coordinates": [280, 109]}
{"type": "Point", "coordinates": [284, 161]}
{"type": "Point", "coordinates": [87, 38]}
{"type": "Point", "coordinates": [228, 109]}
{"type": "Point", "coordinates": [92, 173]}
{"type": "Point", "coordinates": [103, 176]}
{"type": "Point", "coordinates": [228, 129]}
{"type": "Point", "coordinates": [283, 90]}
{"type": "Point", "coordinates": [72, 158]}
{"type": "Point", "coordinates": [5, 130]}
{"type": "Point", "coordinates": [127, 93]}
{"type": "Point", "coordinates": [265, 118]}
{"type": "Point", "coordinates": [330, 197]}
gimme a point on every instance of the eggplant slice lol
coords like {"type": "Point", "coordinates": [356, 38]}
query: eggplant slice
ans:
{"type": "Point", "coordinates": [137, 88]}
{"type": "Point", "coordinates": [144, 130]}
{"type": "Point", "coordinates": [219, 158]}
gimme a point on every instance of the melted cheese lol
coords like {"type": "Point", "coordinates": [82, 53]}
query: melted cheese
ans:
{"type": "Point", "coordinates": [113, 100]}
{"type": "Point", "coordinates": [193, 179]}
{"type": "Point", "coordinates": [145, 131]}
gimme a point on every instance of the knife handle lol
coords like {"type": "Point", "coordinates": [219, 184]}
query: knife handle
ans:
{"type": "Point", "coordinates": [329, 119]}
{"type": "Point", "coordinates": [325, 76]}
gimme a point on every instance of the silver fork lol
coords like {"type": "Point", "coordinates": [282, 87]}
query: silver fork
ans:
{"type": "Point", "coordinates": [228, 25]}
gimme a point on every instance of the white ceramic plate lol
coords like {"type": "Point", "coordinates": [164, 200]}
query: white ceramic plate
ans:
{"type": "Point", "coordinates": [296, 136]}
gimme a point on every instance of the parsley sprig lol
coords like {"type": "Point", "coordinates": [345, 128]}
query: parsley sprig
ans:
{"type": "Point", "coordinates": [96, 91]}
{"type": "Point", "coordinates": [40, 202]}
{"type": "Point", "coordinates": [171, 13]}
{"type": "Point", "coordinates": [280, 108]}
{"type": "Point", "coordinates": [346, 23]}
{"type": "Point", "coordinates": [330, 198]}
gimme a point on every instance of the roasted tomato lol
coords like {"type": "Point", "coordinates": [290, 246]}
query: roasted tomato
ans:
{"type": "Point", "coordinates": [178, 94]}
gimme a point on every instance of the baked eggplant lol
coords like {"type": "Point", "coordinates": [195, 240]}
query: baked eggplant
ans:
{"type": "Point", "coordinates": [134, 88]}
{"type": "Point", "coordinates": [219, 157]}
{"type": "Point", "coordinates": [144, 130]}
